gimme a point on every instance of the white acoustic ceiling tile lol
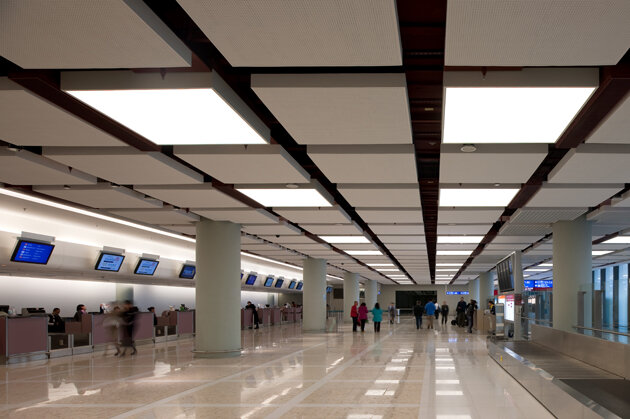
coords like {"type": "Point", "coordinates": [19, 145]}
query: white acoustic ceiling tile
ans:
{"type": "Point", "coordinates": [190, 196]}
{"type": "Point", "coordinates": [28, 120]}
{"type": "Point", "coordinates": [87, 34]}
{"type": "Point", "coordinates": [545, 215]}
{"type": "Point", "coordinates": [125, 165]}
{"type": "Point", "coordinates": [189, 228]}
{"type": "Point", "coordinates": [398, 229]}
{"type": "Point", "coordinates": [401, 239]}
{"type": "Point", "coordinates": [25, 168]}
{"type": "Point", "coordinates": [313, 216]}
{"type": "Point", "coordinates": [301, 33]}
{"type": "Point", "coordinates": [157, 216]}
{"type": "Point", "coordinates": [237, 215]}
{"type": "Point", "coordinates": [463, 228]}
{"type": "Point", "coordinates": [374, 195]}
{"type": "Point", "coordinates": [366, 164]}
{"type": "Point", "coordinates": [331, 229]}
{"type": "Point", "coordinates": [338, 108]}
{"type": "Point", "coordinates": [268, 163]}
{"type": "Point", "coordinates": [514, 240]}
{"type": "Point", "coordinates": [469, 216]}
{"type": "Point", "coordinates": [288, 240]}
{"type": "Point", "coordinates": [612, 216]}
{"type": "Point", "coordinates": [249, 240]}
{"type": "Point", "coordinates": [616, 128]}
{"type": "Point", "coordinates": [573, 196]}
{"type": "Point", "coordinates": [101, 195]}
{"type": "Point", "coordinates": [305, 248]}
{"type": "Point", "coordinates": [593, 163]}
{"type": "Point", "coordinates": [511, 229]}
{"type": "Point", "coordinates": [536, 32]}
{"type": "Point", "coordinates": [264, 229]}
{"type": "Point", "coordinates": [510, 163]}
{"type": "Point", "coordinates": [390, 215]}
{"type": "Point", "coordinates": [504, 246]}
{"type": "Point", "coordinates": [356, 246]}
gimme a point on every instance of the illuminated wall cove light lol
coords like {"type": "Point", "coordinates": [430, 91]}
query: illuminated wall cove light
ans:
{"type": "Point", "coordinates": [476, 197]}
{"type": "Point", "coordinates": [287, 197]}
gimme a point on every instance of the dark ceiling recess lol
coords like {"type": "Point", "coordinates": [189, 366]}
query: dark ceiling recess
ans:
{"type": "Point", "coordinates": [423, 32]}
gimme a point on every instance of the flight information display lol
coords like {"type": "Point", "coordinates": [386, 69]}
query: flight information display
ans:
{"type": "Point", "coordinates": [188, 271]}
{"type": "Point", "coordinates": [537, 284]}
{"type": "Point", "coordinates": [251, 279]}
{"type": "Point", "coordinates": [279, 283]}
{"type": "Point", "coordinates": [32, 252]}
{"type": "Point", "coordinates": [457, 292]}
{"type": "Point", "coordinates": [268, 281]}
{"type": "Point", "coordinates": [146, 267]}
{"type": "Point", "coordinates": [299, 286]}
{"type": "Point", "coordinates": [109, 262]}
{"type": "Point", "coordinates": [291, 285]}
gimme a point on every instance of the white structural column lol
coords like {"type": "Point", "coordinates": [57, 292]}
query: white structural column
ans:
{"type": "Point", "coordinates": [572, 266]}
{"type": "Point", "coordinates": [371, 293]}
{"type": "Point", "coordinates": [124, 292]}
{"type": "Point", "coordinates": [350, 293]}
{"type": "Point", "coordinates": [473, 288]}
{"type": "Point", "coordinates": [486, 289]}
{"type": "Point", "coordinates": [314, 295]}
{"type": "Point", "coordinates": [218, 289]}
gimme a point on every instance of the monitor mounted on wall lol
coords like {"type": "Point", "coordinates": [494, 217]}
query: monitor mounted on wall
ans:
{"type": "Point", "coordinates": [146, 267]}
{"type": "Point", "coordinates": [27, 251]}
{"type": "Point", "coordinates": [109, 262]}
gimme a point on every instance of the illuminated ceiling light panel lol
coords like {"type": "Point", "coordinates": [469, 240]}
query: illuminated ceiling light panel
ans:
{"type": "Point", "coordinates": [601, 252]}
{"type": "Point", "coordinates": [618, 240]}
{"type": "Point", "coordinates": [380, 264]}
{"type": "Point", "coordinates": [345, 239]}
{"type": "Point", "coordinates": [510, 114]}
{"type": "Point", "coordinates": [387, 270]}
{"type": "Point", "coordinates": [536, 270]}
{"type": "Point", "coordinates": [546, 264]}
{"type": "Point", "coordinates": [287, 197]}
{"type": "Point", "coordinates": [453, 252]}
{"type": "Point", "coordinates": [448, 264]}
{"type": "Point", "coordinates": [363, 252]}
{"type": "Point", "coordinates": [447, 270]}
{"type": "Point", "coordinates": [179, 108]}
{"type": "Point", "coordinates": [476, 197]}
{"type": "Point", "coordinates": [459, 239]}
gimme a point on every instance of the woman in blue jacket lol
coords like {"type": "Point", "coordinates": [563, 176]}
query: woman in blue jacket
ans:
{"type": "Point", "coordinates": [378, 317]}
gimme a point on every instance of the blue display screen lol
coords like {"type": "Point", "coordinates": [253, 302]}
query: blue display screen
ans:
{"type": "Point", "coordinates": [32, 252]}
{"type": "Point", "coordinates": [109, 262]}
{"type": "Point", "coordinates": [299, 285]}
{"type": "Point", "coordinates": [251, 278]}
{"type": "Point", "coordinates": [146, 267]}
{"type": "Point", "coordinates": [268, 281]}
{"type": "Point", "coordinates": [457, 293]}
{"type": "Point", "coordinates": [188, 271]}
{"type": "Point", "coordinates": [291, 285]}
{"type": "Point", "coordinates": [279, 283]}
{"type": "Point", "coordinates": [537, 284]}
{"type": "Point", "coordinates": [328, 289]}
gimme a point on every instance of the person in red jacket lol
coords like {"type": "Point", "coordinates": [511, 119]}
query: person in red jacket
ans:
{"type": "Point", "coordinates": [354, 313]}
{"type": "Point", "coordinates": [363, 311]}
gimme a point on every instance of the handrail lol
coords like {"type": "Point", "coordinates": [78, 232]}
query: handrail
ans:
{"type": "Point", "coordinates": [537, 320]}
{"type": "Point", "coordinates": [601, 330]}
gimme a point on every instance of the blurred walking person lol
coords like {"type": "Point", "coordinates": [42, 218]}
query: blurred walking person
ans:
{"type": "Point", "coordinates": [128, 318]}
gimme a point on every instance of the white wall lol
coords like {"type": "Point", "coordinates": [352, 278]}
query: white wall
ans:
{"type": "Point", "coordinates": [160, 297]}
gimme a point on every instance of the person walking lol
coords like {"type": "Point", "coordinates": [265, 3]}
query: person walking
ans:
{"type": "Point", "coordinates": [378, 317]}
{"type": "Point", "coordinates": [418, 310]}
{"type": "Point", "coordinates": [128, 318]}
{"type": "Point", "coordinates": [429, 310]}
{"type": "Point", "coordinates": [437, 309]}
{"type": "Point", "coordinates": [111, 323]}
{"type": "Point", "coordinates": [444, 310]}
{"type": "Point", "coordinates": [363, 311]}
{"type": "Point", "coordinates": [392, 313]}
{"type": "Point", "coordinates": [460, 311]}
{"type": "Point", "coordinates": [354, 314]}
{"type": "Point", "coordinates": [470, 314]}
{"type": "Point", "coordinates": [252, 307]}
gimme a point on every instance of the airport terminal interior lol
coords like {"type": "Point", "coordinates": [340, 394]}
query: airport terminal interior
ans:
{"type": "Point", "coordinates": [359, 209]}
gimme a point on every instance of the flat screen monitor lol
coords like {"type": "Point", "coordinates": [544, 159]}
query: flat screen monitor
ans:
{"type": "Point", "coordinates": [328, 289]}
{"type": "Point", "coordinates": [299, 286]}
{"type": "Point", "coordinates": [279, 283]}
{"type": "Point", "coordinates": [251, 278]}
{"type": "Point", "coordinates": [291, 285]}
{"type": "Point", "coordinates": [538, 284]}
{"type": "Point", "coordinates": [509, 307]}
{"type": "Point", "coordinates": [32, 252]}
{"type": "Point", "coordinates": [505, 275]}
{"type": "Point", "coordinates": [188, 271]}
{"type": "Point", "coordinates": [146, 267]}
{"type": "Point", "coordinates": [241, 275]}
{"type": "Point", "coordinates": [457, 292]}
{"type": "Point", "coordinates": [268, 281]}
{"type": "Point", "coordinates": [109, 262]}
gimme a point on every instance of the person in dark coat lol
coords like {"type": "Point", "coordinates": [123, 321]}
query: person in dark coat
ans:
{"type": "Point", "coordinates": [128, 317]}
{"type": "Point", "coordinates": [252, 307]}
{"type": "Point", "coordinates": [418, 311]}
{"type": "Point", "coordinates": [55, 323]}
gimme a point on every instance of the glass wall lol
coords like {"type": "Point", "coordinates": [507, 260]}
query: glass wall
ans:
{"type": "Point", "coordinates": [612, 281]}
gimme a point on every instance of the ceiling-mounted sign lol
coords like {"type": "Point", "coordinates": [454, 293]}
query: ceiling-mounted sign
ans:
{"type": "Point", "coordinates": [457, 292]}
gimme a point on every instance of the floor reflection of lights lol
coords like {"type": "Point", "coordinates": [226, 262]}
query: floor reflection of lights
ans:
{"type": "Point", "coordinates": [449, 393]}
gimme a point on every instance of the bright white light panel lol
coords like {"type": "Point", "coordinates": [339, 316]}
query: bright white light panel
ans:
{"type": "Point", "coordinates": [173, 116]}
{"type": "Point", "coordinates": [345, 239]}
{"type": "Point", "coordinates": [287, 197]}
{"type": "Point", "coordinates": [459, 239]}
{"type": "Point", "coordinates": [476, 197]}
{"type": "Point", "coordinates": [510, 114]}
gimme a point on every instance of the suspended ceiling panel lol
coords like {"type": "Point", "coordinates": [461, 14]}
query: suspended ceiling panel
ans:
{"type": "Point", "coordinates": [26, 168]}
{"type": "Point", "coordinates": [101, 195]}
{"type": "Point", "coordinates": [288, 240]}
{"type": "Point", "coordinates": [555, 195]}
{"type": "Point", "coordinates": [27, 120]}
{"type": "Point", "coordinates": [601, 229]}
{"type": "Point", "coordinates": [509, 163]}
{"type": "Point", "coordinates": [545, 215]}
{"type": "Point", "coordinates": [390, 215]}
{"type": "Point", "coordinates": [87, 34]}
{"type": "Point", "coordinates": [521, 240]}
{"type": "Point", "coordinates": [611, 216]}
{"type": "Point", "coordinates": [398, 229]}
{"type": "Point", "coordinates": [237, 215]}
{"type": "Point", "coordinates": [190, 229]}
{"type": "Point", "coordinates": [463, 228]}
{"type": "Point", "coordinates": [616, 128]}
{"type": "Point", "coordinates": [394, 247]}
{"type": "Point", "coordinates": [512, 229]}
{"type": "Point", "coordinates": [401, 239]}
{"type": "Point", "coordinates": [469, 216]}
{"type": "Point", "coordinates": [190, 196]}
{"type": "Point", "coordinates": [332, 229]}
{"type": "Point", "coordinates": [374, 195]}
{"type": "Point", "coordinates": [593, 163]}
{"type": "Point", "coordinates": [125, 165]}
{"type": "Point", "coordinates": [536, 33]}
{"type": "Point", "coordinates": [259, 229]}
{"type": "Point", "coordinates": [268, 163]}
{"type": "Point", "coordinates": [366, 164]}
{"type": "Point", "coordinates": [313, 216]}
{"type": "Point", "coordinates": [157, 216]}
{"type": "Point", "coordinates": [338, 108]}
{"type": "Point", "coordinates": [301, 33]}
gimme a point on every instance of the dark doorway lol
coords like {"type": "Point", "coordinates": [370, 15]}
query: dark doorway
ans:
{"type": "Point", "coordinates": [407, 299]}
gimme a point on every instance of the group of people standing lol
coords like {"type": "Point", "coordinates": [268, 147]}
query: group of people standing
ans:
{"type": "Point", "coordinates": [431, 309]}
{"type": "Point", "coordinates": [359, 315]}
{"type": "Point", "coordinates": [466, 313]}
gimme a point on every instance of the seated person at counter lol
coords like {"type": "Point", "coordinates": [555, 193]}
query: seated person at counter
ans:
{"type": "Point", "coordinates": [152, 310]}
{"type": "Point", "coordinates": [55, 322]}
{"type": "Point", "coordinates": [81, 310]}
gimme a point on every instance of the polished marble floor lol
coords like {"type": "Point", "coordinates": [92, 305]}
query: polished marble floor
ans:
{"type": "Point", "coordinates": [282, 373]}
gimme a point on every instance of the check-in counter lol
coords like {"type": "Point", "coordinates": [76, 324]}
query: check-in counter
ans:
{"type": "Point", "coordinates": [23, 339]}
{"type": "Point", "coordinates": [291, 314]}
{"type": "Point", "coordinates": [247, 318]}
{"type": "Point", "coordinates": [264, 315]}
{"type": "Point", "coordinates": [185, 322]}
{"type": "Point", "coordinates": [276, 316]}
{"type": "Point", "coordinates": [143, 327]}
